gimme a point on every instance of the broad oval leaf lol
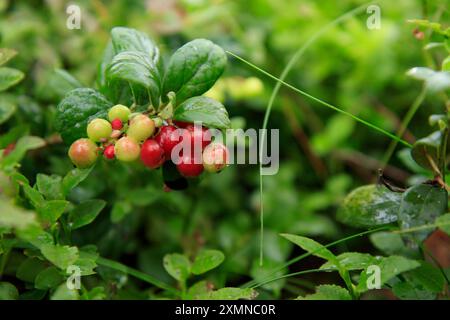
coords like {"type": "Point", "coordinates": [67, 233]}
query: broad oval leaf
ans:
{"type": "Point", "coordinates": [48, 278]}
{"type": "Point", "coordinates": [368, 206]}
{"type": "Point", "coordinates": [351, 261]}
{"type": "Point", "coordinates": [209, 112]}
{"type": "Point", "coordinates": [426, 276]}
{"type": "Point", "coordinates": [138, 70]}
{"type": "Point", "coordinates": [207, 260]}
{"type": "Point", "coordinates": [51, 210]}
{"type": "Point", "coordinates": [328, 292]}
{"type": "Point", "coordinates": [60, 256]}
{"type": "Point", "coordinates": [50, 186]}
{"type": "Point", "coordinates": [8, 291]}
{"type": "Point", "coordinates": [7, 109]}
{"type": "Point", "coordinates": [193, 69]}
{"type": "Point", "coordinates": [177, 265]}
{"type": "Point", "coordinates": [426, 150]}
{"type": "Point", "coordinates": [9, 77]}
{"type": "Point", "coordinates": [63, 292]}
{"type": "Point", "coordinates": [85, 213]}
{"type": "Point", "coordinates": [75, 111]}
{"type": "Point", "coordinates": [388, 242]}
{"type": "Point", "coordinates": [73, 178]}
{"type": "Point", "coordinates": [421, 205]}
{"type": "Point", "coordinates": [389, 267]}
{"type": "Point", "coordinates": [128, 39]}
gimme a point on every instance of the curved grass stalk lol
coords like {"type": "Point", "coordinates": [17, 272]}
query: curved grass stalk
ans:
{"type": "Point", "coordinates": [324, 103]}
{"type": "Point", "coordinates": [250, 284]}
{"type": "Point", "coordinates": [136, 273]}
{"type": "Point", "coordinates": [293, 274]}
{"type": "Point", "coordinates": [408, 117]}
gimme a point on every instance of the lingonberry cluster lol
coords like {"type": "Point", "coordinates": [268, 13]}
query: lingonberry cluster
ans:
{"type": "Point", "coordinates": [128, 137]}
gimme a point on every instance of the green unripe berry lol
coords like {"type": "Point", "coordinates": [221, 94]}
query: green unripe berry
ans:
{"type": "Point", "coordinates": [141, 127]}
{"type": "Point", "coordinates": [127, 149]}
{"type": "Point", "coordinates": [83, 153]}
{"type": "Point", "coordinates": [99, 129]}
{"type": "Point", "coordinates": [119, 111]}
{"type": "Point", "coordinates": [215, 157]}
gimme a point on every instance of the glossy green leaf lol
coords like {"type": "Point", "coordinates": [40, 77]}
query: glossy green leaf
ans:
{"type": "Point", "coordinates": [136, 69]}
{"type": "Point", "coordinates": [390, 267]}
{"type": "Point", "coordinates": [76, 110]}
{"type": "Point", "coordinates": [369, 206]}
{"type": "Point", "coordinates": [50, 186]}
{"type": "Point", "coordinates": [128, 39]}
{"type": "Point", "coordinates": [207, 260]}
{"type": "Point", "coordinates": [409, 291]}
{"type": "Point", "coordinates": [48, 278]}
{"type": "Point", "coordinates": [8, 291]}
{"type": "Point", "coordinates": [73, 178]}
{"type": "Point", "coordinates": [426, 277]}
{"type": "Point", "coordinates": [328, 292]}
{"type": "Point", "coordinates": [7, 109]}
{"type": "Point", "coordinates": [64, 293]}
{"type": "Point", "coordinates": [388, 242]}
{"type": "Point", "coordinates": [310, 246]}
{"type": "Point", "coordinates": [210, 112]}
{"type": "Point", "coordinates": [60, 256]}
{"type": "Point", "coordinates": [35, 197]}
{"type": "Point", "coordinates": [9, 77]}
{"type": "Point", "coordinates": [177, 265]}
{"type": "Point", "coordinates": [420, 205]}
{"type": "Point", "coordinates": [50, 211]}
{"type": "Point", "coordinates": [193, 69]}
{"type": "Point", "coordinates": [87, 261]}
{"type": "Point", "coordinates": [198, 290]}
{"type": "Point", "coordinates": [426, 148]}
{"type": "Point", "coordinates": [85, 213]}
{"type": "Point", "coordinates": [29, 269]}
{"type": "Point", "coordinates": [351, 261]}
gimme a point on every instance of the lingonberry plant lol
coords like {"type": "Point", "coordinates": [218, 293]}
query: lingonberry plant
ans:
{"type": "Point", "coordinates": [163, 105]}
{"type": "Point", "coordinates": [99, 182]}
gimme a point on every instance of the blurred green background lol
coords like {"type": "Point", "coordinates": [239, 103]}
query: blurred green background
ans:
{"type": "Point", "coordinates": [323, 154]}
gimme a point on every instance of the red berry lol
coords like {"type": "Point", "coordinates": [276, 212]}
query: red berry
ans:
{"type": "Point", "coordinates": [215, 157]}
{"type": "Point", "coordinates": [166, 139]}
{"type": "Point", "coordinates": [181, 124]}
{"type": "Point", "coordinates": [188, 168]}
{"type": "Point", "coordinates": [199, 135]}
{"type": "Point", "coordinates": [152, 154]}
{"type": "Point", "coordinates": [116, 124]}
{"type": "Point", "coordinates": [109, 152]}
